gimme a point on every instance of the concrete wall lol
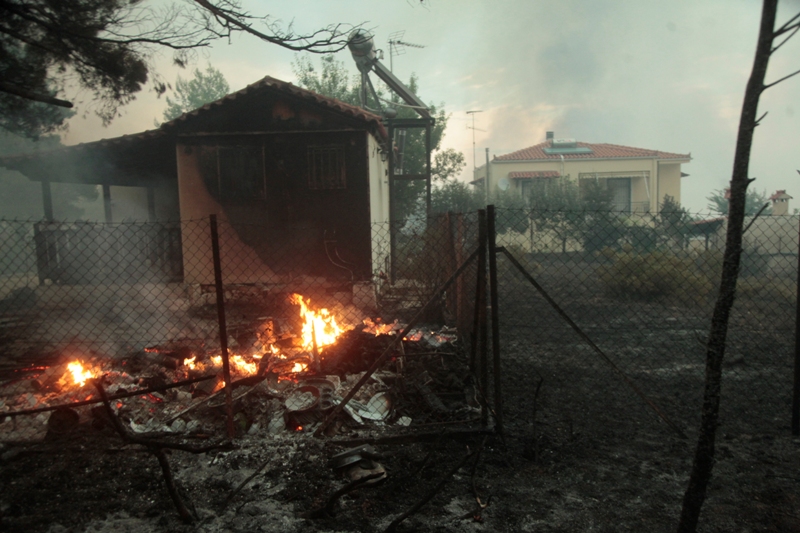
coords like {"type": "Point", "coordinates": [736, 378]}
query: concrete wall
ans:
{"type": "Point", "coordinates": [669, 181]}
{"type": "Point", "coordinates": [379, 206]}
{"type": "Point", "coordinates": [239, 262]}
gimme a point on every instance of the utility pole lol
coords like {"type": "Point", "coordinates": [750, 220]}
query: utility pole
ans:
{"type": "Point", "coordinates": [486, 182]}
{"type": "Point", "coordinates": [473, 128]}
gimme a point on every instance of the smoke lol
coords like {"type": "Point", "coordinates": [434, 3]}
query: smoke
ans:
{"type": "Point", "coordinates": [668, 76]}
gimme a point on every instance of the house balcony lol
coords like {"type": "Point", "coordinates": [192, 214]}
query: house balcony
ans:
{"type": "Point", "coordinates": [637, 208]}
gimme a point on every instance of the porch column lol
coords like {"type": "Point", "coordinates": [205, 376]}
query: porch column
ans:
{"type": "Point", "coordinates": [107, 202]}
{"type": "Point", "coordinates": [47, 201]}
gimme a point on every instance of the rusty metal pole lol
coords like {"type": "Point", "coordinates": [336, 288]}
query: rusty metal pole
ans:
{"type": "Point", "coordinates": [796, 388]}
{"type": "Point", "coordinates": [482, 331]}
{"type": "Point", "coordinates": [493, 299]}
{"type": "Point", "coordinates": [223, 330]}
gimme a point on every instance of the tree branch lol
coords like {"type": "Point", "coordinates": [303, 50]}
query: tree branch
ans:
{"type": "Point", "coordinates": [335, 41]}
{"type": "Point", "coordinates": [774, 83]}
{"type": "Point", "coordinates": [29, 95]}
{"type": "Point", "coordinates": [775, 48]}
{"type": "Point", "coordinates": [787, 26]}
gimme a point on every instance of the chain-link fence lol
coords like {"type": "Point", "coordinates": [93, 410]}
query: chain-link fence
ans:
{"type": "Point", "coordinates": [639, 291]}
{"type": "Point", "coordinates": [168, 314]}
{"type": "Point", "coordinates": [601, 314]}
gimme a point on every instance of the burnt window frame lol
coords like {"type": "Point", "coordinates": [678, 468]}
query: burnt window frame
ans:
{"type": "Point", "coordinates": [326, 175]}
{"type": "Point", "coordinates": [258, 191]}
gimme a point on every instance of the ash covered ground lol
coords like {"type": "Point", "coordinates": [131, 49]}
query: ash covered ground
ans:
{"type": "Point", "coordinates": [603, 463]}
{"type": "Point", "coordinates": [581, 450]}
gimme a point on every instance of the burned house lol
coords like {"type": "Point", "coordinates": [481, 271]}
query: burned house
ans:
{"type": "Point", "coordinates": [297, 180]}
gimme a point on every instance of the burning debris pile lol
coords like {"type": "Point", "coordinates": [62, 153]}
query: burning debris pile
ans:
{"type": "Point", "coordinates": [285, 375]}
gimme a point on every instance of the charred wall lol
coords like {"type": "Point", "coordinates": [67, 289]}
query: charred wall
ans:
{"type": "Point", "coordinates": [294, 200]}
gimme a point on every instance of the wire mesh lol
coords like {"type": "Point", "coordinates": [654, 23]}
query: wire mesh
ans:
{"type": "Point", "coordinates": [307, 313]}
{"type": "Point", "coordinates": [642, 287]}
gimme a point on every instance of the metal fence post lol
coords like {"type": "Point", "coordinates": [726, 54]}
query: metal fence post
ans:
{"type": "Point", "coordinates": [796, 388]}
{"type": "Point", "coordinates": [481, 330]}
{"type": "Point", "coordinates": [493, 299]}
{"type": "Point", "coordinates": [223, 330]}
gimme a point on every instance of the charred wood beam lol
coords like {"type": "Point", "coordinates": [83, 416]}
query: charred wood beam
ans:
{"type": "Point", "coordinates": [134, 439]}
{"type": "Point", "coordinates": [433, 492]}
{"type": "Point", "coordinates": [156, 448]}
{"type": "Point", "coordinates": [390, 349]}
{"type": "Point", "coordinates": [119, 396]}
{"type": "Point", "coordinates": [417, 437]}
{"type": "Point", "coordinates": [244, 483]}
{"type": "Point", "coordinates": [183, 511]}
{"type": "Point", "coordinates": [327, 510]}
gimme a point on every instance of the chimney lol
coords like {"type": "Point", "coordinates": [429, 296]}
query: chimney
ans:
{"type": "Point", "coordinates": [549, 136]}
{"type": "Point", "coordinates": [780, 202]}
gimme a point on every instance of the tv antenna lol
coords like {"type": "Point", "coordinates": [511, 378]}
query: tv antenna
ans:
{"type": "Point", "coordinates": [397, 46]}
{"type": "Point", "coordinates": [362, 47]}
{"type": "Point", "coordinates": [473, 128]}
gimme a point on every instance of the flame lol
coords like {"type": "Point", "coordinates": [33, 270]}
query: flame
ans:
{"type": "Point", "coordinates": [243, 367]}
{"type": "Point", "coordinates": [79, 375]}
{"type": "Point", "coordinates": [319, 327]}
{"type": "Point", "coordinates": [299, 367]}
{"type": "Point", "coordinates": [190, 362]}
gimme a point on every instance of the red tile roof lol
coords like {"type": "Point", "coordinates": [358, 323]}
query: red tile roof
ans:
{"type": "Point", "coordinates": [599, 151]}
{"type": "Point", "coordinates": [533, 174]}
{"type": "Point", "coordinates": [780, 194]}
{"type": "Point", "coordinates": [286, 87]}
{"type": "Point", "coordinates": [266, 83]}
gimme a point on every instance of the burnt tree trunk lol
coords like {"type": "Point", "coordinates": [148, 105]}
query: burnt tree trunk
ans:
{"type": "Point", "coordinates": [715, 346]}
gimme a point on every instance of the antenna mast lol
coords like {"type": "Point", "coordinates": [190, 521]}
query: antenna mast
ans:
{"type": "Point", "coordinates": [473, 128]}
{"type": "Point", "coordinates": [397, 46]}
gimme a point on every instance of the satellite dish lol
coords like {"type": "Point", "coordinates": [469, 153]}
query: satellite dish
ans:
{"type": "Point", "coordinates": [503, 184]}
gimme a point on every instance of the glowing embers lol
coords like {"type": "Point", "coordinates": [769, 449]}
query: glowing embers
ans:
{"type": "Point", "coordinates": [376, 327]}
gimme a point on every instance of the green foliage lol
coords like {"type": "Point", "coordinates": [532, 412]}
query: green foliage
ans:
{"type": "Point", "coordinates": [668, 229]}
{"type": "Point", "coordinates": [46, 44]}
{"type": "Point", "coordinates": [332, 79]}
{"type": "Point", "coordinates": [659, 275]}
{"type": "Point", "coordinates": [673, 223]}
{"type": "Point", "coordinates": [205, 87]}
{"type": "Point", "coordinates": [447, 164]}
{"type": "Point", "coordinates": [106, 48]}
{"type": "Point", "coordinates": [556, 207]}
{"type": "Point", "coordinates": [754, 201]}
{"type": "Point", "coordinates": [455, 196]}
{"type": "Point", "coordinates": [576, 213]}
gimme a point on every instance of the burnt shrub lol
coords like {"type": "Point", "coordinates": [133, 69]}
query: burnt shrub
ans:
{"type": "Point", "coordinates": [656, 275]}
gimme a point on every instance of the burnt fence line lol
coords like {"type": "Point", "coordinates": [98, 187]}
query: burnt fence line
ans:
{"type": "Point", "coordinates": [122, 317]}
{"type": "Point", "coordinates": [642, 286]}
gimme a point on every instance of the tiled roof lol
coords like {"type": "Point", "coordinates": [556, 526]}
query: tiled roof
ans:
{"type": "Point", "coordinates": [533, 174]}
{"type": "Point", "coordinates": [599, 151]}
{"type": "Point", "coordinates": [286, 87]}
{"type": "Point", "coordinates": [264, 83]}
{"type": "Point", "coordinates": [781, 195]}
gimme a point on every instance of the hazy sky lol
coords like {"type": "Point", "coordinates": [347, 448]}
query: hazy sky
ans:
{"type": "Point", "coordinates": [660, 75]}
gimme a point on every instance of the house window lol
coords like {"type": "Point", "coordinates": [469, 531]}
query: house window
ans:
{"type": "Point", "coordinates": [619, 192]}
{"type": "Point", "coordinates": [240, 172]}
{"type": "Point", "coordinates": [326, 168]}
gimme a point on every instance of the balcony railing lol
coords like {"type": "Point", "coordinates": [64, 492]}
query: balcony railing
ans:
{"type": "Point", "coordinates": [631, 207]}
